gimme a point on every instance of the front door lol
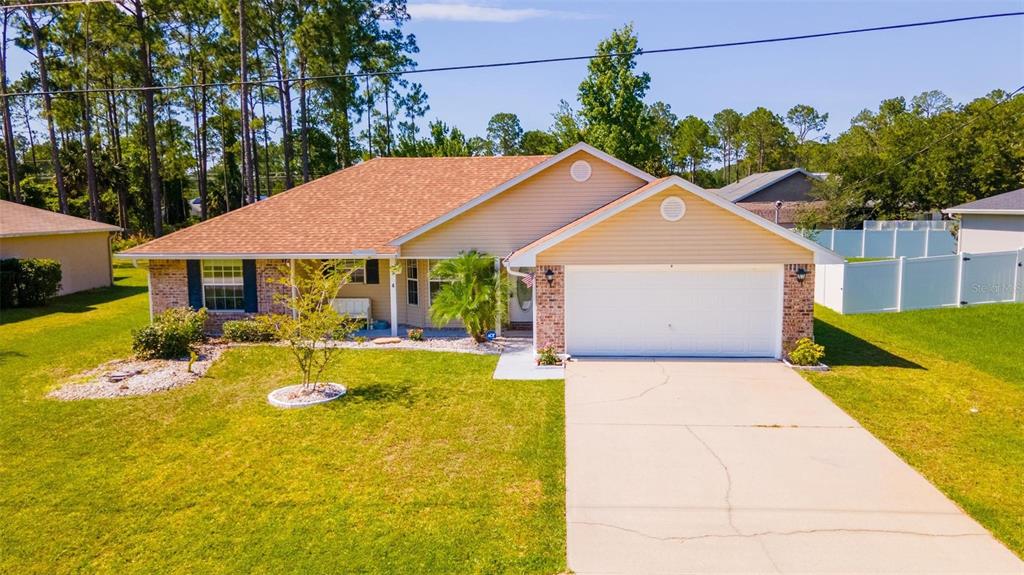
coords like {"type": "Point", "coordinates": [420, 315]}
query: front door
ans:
{"type": "Point", "coordinates": [521, 304]}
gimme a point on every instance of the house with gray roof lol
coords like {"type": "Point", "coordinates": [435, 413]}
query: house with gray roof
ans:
{"type": "Point", "coordinates": [992, 224]}
{"type": "Point", "coordinates": [777, 196]}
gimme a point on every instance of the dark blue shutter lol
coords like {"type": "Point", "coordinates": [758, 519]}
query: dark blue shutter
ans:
{"type": "Point", "coordinates": [194, 269]}
{"type": "Point", "coordinates": [249, 285]}
{"type": "Point", "coordinates": [373, 271]}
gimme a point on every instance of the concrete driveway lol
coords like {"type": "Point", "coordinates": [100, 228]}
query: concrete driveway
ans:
{"type": "Point", "coordinates": [742, 466]}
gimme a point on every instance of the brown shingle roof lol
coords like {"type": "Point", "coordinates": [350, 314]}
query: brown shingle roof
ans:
{"type": "Point", "coordinates": [355, 209]}
{"type": "Point", "coordinates": [20, 220]}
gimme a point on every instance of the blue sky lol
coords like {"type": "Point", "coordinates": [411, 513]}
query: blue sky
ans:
{"type": "Point", "coordinates": [840, 76]}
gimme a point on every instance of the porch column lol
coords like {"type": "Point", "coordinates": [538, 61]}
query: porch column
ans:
{"type": "Point", "coordinates": [497, 275]}
{"type": "Point", "coordinates": [394, 296]}
{"type": "Point", "coordinates": [294, 288]}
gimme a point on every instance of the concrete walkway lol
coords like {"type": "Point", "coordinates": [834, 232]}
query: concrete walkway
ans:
{"type": "Point", "coordinates": [742, 466]}
{"type": "Point", "coordinates": [517, 362]}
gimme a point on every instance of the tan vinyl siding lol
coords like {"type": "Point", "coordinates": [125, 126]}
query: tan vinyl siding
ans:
{"type": "Point", "coordinates": [84, 258]}
{"type": "Point", "coordinates": [523, 213]}
{"type": "Point", "coordinates": [706, 234]}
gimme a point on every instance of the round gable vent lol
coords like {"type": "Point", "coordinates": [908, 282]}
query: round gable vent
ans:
{"type": "Point", "coordinates": [580, 170]}
{"type": "Point", "coordinates": [673, 209]}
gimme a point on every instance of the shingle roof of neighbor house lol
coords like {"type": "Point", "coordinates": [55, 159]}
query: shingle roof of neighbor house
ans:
{"type": "Point", "coordinates": [350, 212]}
{"type": "Point", "coordinates": [1012, 202]}
{"type": "Point", "coordinates": [754, 183]}
{"type": "Point", "coordinates": [20, 220]}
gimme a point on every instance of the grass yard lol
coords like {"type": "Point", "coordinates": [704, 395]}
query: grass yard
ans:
{"type": "Point", "coordinates": [428, 466]}
{"type": "Point", "coordinates": [944, 388]}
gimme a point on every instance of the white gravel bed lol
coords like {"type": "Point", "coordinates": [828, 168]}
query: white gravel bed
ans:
{"type": "Point", "coordinates": [130, 377]}
{"type": "Point", "coordinates": [301, 396]}
{"type": "Point", "coordinates": [453, 344]}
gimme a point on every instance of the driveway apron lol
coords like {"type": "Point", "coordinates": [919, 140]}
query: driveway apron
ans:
{"type": "Point", "coordinates": [695, 466]}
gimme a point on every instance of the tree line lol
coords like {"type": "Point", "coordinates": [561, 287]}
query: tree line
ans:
{"type": "Point", "coordinates": [135, 157]}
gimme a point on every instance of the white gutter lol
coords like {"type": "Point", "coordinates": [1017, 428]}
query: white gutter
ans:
{"type": "Point", "coordinates": [985, 212]}
{"type": "Point", "coordinates": [255, 256]}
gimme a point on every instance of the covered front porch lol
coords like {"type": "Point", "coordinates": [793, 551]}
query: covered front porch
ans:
{"type": "Point", "coordinates": [395, 294]}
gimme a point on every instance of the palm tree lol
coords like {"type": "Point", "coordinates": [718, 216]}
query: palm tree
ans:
{"type": "Point", "coordinates": [473, 293]}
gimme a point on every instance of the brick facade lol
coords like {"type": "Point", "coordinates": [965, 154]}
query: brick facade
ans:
{"type": "Point", "coordinates": [550, 327]}
{"type": "Point", "coordinates": [168, 287]}
{"type": "Point", "coordinates": [797, 306]}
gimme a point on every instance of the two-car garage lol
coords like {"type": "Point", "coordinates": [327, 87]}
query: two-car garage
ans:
{"type": "Point", "coordinates": [674, 310]}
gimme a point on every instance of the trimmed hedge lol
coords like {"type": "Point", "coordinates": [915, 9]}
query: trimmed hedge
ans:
{"type": "Point", "coordinates": [258, 330]}
{"type": "Point", "coordinates": [28, 282]}
{"type": "Point", "coordinates": [172, 335]}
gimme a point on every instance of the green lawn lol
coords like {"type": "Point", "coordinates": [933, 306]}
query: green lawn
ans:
{"type": "Point", "coordinates": [944, 388]}
{"type": "Point", "coordinates": [428, 466]}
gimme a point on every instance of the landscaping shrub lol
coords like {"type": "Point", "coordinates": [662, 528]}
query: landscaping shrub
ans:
{"type": "Point", "coordinates": [806, 352]}
{"type": "Point", "coordinates": [122, 242]}
{"type": "Point", "coordinates": [415, 334]}
{"type": "Point", "coordinates": [547, 356]}
{"type": "Point", "coordinates": [172, 335]}
{"type": "Point", "coordinates": [257, 330]}
{"type": "Point", "coordinates": [28, 282]}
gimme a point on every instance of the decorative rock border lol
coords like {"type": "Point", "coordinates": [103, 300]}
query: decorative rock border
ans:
{"type": "Point", "coordinates": [819, 367]}
{"type": "Point", "coordinates": [290, 397]}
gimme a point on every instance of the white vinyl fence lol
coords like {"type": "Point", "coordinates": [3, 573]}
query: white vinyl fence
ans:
{"type": "Point", "coordinates": [907, 224]}
{"type": "Point", "coordinates": [916, 283]}
{"type": "Point", "coordinates": [891, 243]}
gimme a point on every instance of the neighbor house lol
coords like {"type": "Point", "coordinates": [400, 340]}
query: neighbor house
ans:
{"type": "Point", "coordinates": [993, 224]}
{"type": "Point", "coordinates": [777, 196]}
{"type": "Point", "coordinates": [623, 263]}
{"type": "Point", "coordinates": [81, 246]}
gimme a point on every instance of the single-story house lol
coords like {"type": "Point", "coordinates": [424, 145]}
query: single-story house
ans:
{"type": "Point", "coordinates": [993, 224]}
{"type": "Point", "coordinates": [623, 263]}
{"type": "Point", "coordinates": [81, 246]}
{"type": "Point", "coordinates": [777, 196]}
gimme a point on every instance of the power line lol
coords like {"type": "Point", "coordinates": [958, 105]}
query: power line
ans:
{"type": "Point", "coordinates": [57, 3]}
{"type": "Point", "coordinates": [956, 130]}
{"type": "Point", "coordinates": [507, 64]}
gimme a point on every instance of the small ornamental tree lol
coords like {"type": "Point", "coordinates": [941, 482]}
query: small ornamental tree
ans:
{"type": "Point", "coordinates": [473, 292]}
{"type": "Point", "coordinates": [313, 323]}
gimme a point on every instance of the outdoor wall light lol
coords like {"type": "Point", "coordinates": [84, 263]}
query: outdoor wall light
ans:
{"type": "Point", "coordinates": [801, 275]}
{"type": "Point", "coordinates": [550, 276]}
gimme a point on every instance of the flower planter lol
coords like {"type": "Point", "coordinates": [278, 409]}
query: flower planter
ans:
{"type": "Point", "coordinates": [562, 359]}
{"type": "Point", "coordinates": [294, 396]}
{"type": "Point", "coordinates": [819, 367]}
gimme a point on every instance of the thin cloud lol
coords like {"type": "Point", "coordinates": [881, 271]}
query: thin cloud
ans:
{"type": "Point", "coordinates": [476, 13]}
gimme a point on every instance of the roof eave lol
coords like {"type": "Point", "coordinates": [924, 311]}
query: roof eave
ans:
{"type": "Point", "coordinates": [354, 254]}
{"type": "Point", "coordinates": [984, 211]}
{"type": "Point", "coordinates": [110, 230]}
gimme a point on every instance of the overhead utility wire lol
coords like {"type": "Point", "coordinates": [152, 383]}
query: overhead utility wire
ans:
{"type": "Point", "coordinates": [956, 130]}
{"type": "Point", "coordinates": [52, 4]}
{"type": "Point", "coordinates": [273, 81]}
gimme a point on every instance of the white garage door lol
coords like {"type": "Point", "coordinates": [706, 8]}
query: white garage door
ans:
{"type": "Point", "coordinates": [681, 310]}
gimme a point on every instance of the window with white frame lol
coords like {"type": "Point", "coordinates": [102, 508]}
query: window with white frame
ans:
{"type": "Point", "coordinates": [436, 283]}
{"type": "Point", "coordinates": [358, 274]}
{"type": "Point", "coordinates": [412, 278]}
{"type": "Point", "coordinates": [223, 285]}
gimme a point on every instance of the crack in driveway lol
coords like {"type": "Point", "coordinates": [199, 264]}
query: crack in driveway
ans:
{"type": "Point", "coordinates": [665, 379]}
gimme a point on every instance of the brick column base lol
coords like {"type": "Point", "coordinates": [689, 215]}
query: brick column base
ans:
{"type": "Point", "coordinates": [797, 306]}
{"type": "Point", "coordinates": [550, 327]}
